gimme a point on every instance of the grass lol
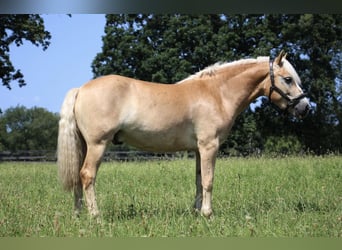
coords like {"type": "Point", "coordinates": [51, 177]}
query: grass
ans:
{"type": "Point", "coordinates": [253, 197]}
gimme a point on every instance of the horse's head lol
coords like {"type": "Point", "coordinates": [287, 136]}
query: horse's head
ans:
{"type": "Point", "coordinates": [285, 88]}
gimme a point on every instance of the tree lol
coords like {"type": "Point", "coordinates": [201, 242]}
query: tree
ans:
{"type": "Point", "coordinates": [15, 29]}
{"type": "Point", "coordinates": [244, 138]}
{"type": "Point", "coordinates": [315, 44]}
{"type": "Point", "coordinates": [28, 129]}
{"type": "Point", "coordinates": [167, 48]}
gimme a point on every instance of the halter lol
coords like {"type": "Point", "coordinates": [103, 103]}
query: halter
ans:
{"type": "Point", "coordinates": [291, 102]}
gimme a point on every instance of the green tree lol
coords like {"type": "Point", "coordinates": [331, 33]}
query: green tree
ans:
{"type": "Point", "coordinates": [314, 43]}
{"type": "Point", "coordinates": [15, 29]}
{"type": "Point", "coordinates": [284, 145]}
{"type": "Point", "coordinates": [167, 48]}
{"type": "Point", "coordinates": [244, 138]}
{"type": "Point", "coordinates": [28, 129]}
{"type": "Point", "coordinates": [161, 48]}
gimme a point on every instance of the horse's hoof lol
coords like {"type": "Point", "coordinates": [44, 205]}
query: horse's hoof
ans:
{"type": "Point", "coordinates": [207, 213]}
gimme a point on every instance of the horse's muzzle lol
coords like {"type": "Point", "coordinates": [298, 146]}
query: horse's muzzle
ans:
{"type": "Point", "coordinates": [302, 109]}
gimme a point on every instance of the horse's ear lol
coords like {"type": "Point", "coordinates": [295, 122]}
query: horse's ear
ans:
{"type": "Point", "coordinates": [282, 55]}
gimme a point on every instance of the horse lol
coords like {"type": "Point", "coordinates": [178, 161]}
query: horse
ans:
{"type": "Point", "coordinates": [195, 114]}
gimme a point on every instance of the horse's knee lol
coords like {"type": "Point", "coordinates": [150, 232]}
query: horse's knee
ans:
{"type": "Point", "coordinates": [207, 184]}
{"type": "Point", "coordinates": [87, 178]}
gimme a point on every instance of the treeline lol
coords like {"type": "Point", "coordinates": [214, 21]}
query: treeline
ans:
{"type": "Point", "coordinates": [23, 129]}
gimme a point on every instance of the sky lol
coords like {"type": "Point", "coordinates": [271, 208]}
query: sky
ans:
{"type": "Point", "coordinates": [64, 65]}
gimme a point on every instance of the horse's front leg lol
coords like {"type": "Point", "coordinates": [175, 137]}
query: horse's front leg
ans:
{"type": "Point", "coordinates": [199, 189]}
{"type": "Point", "coordinates": [208, 152]}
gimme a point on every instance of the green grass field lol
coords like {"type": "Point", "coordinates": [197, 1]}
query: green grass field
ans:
{"type": "Point", "coordinates": [253, 197]}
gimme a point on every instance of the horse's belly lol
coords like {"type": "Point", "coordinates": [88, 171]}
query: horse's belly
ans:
{"type": "Point", "coordinates": [159, 141]}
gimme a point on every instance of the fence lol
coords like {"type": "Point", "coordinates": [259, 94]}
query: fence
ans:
{"type": "Point", "coordinates": [50, 156]}
{"type": "Point", "coordinates": [32, 155]}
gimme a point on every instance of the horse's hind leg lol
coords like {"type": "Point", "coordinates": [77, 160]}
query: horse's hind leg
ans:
{"type": "Point", "coordinates": [78, 195]}
{"type": "Point", "coordinates": [88, 175]}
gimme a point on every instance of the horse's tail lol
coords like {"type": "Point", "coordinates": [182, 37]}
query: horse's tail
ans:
{"type": "Point", "coordinates": [71, 146]}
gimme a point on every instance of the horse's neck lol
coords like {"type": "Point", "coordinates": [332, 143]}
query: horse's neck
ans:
{"type": "Point", "coordinates": [243, 86]}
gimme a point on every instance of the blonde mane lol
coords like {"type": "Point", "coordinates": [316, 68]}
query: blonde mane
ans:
{"type": "Point", "coordinates": [212, 70]}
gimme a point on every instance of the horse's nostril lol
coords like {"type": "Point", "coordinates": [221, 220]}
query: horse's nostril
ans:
{"type": "Point", "coordinates": [308, 109]}
{"type": "Point", "coordinates": [302, 110]}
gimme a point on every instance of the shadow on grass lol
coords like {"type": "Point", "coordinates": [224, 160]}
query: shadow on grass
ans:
{"type": "Point", "coordinates": [132, 211]}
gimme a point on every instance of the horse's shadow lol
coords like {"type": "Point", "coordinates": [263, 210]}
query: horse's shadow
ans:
{"type": "Point", "coordinates": [145, 211]}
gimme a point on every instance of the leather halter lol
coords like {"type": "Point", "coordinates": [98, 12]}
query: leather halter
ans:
{"type": "Point", "coordinates": [291, 102]}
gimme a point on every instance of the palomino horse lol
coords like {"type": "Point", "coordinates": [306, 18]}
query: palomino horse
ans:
{"type": "Point", "coordinates": [196, 114]}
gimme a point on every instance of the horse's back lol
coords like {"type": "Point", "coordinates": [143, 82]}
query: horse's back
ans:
{"type": "Point", "coordinates": [110, 92]}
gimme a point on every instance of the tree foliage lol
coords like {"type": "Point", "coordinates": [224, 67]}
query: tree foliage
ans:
{"type": "Point", "coordinates": [28, 129]}
{"type": "Point", "coordinates": [15, 29]}
{"type": "Point", "coordinates": [167, 48]}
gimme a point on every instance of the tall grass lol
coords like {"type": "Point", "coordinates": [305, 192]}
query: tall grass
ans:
{"type": "Point", "coordinates": [283, 197]}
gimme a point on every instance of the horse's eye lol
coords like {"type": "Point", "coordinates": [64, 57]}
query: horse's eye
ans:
{"type": "Point", "coordinates": [288, 80]}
